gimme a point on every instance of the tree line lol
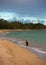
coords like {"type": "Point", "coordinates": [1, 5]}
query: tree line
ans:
{"type": "Point", "coordinates": [4, 24]}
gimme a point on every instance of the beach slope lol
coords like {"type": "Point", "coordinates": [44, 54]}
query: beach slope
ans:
{"type": "Point", "coordinates": [12, 54]}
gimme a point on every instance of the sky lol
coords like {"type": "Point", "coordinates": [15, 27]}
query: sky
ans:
{"type": "Point", "coordinates": [24, 10]}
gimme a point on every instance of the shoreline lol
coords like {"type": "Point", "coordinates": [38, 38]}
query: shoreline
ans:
{"type": "Point", "coordinates": [13, 54]}
{"type": "Point", "coordinates": [12, 30]}
{"type": "Point", "coordinates": [37, 51]}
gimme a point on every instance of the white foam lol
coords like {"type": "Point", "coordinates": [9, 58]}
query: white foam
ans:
{"type": "Point", "coordinates": [13, 40]}
{"type": "Point", "coordinates": [23, 46]}
{"type": "Point", "coordinates": [40, 51]}
{"type": "Point", "coordinates": [35, 49]}
{"type": "Point", "coordinates": [20, 42]}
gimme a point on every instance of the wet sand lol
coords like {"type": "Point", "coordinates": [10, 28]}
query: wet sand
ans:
{"type": "Point", "coordinates": [12, 54]}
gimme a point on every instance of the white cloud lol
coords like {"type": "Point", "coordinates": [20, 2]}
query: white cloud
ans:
{"type": "Point", "coordinates": [32, 19]}
{"type": "Point", "coordinates": [7, 15]}
{"type": "Point", "coordinates": [14, 16]}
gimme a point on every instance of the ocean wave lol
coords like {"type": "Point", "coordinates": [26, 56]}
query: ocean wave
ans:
{"type": "Point", "coordinates": [38, 50]}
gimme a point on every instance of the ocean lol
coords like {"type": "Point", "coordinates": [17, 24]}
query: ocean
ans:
{"type": "Point", "coordinates": [36, 39]}
{"type": "Point", "coordinates": [36, 36]}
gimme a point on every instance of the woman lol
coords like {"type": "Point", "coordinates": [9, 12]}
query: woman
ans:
{"type": "Point", "coordinates": [27, 43]}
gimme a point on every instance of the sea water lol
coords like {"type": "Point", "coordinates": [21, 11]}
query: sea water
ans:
{"type": "Point", "coordinates": [37, 40]}
{"type": "Point", "coordinates": [36, 35]}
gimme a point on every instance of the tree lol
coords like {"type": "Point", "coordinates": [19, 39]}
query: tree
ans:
{"type": "Point", "coordinates": [4, 24]}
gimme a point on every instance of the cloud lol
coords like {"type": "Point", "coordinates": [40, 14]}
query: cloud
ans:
{"type": "Point", "coordinates": [14, 16]}
{"type": "Point", "coordinates": [35, 20]}
{"type": "Point", "coordinates": [6, 15]}
{"type": "Point", "coordinates": [24, 7]}
{"type": "Point", "coordinates": [31, 20]}
{"type": "Point", "coordinates": [19, 1]}
{"type": "Point", "coordinates": [22, 1]}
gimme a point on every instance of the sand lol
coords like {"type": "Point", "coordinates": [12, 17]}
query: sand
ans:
{"type": "Point", "coordinates": [12, 54]}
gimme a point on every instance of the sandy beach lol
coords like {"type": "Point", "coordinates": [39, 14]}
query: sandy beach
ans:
{"type": "Point", "coordinates": [12, 54]}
